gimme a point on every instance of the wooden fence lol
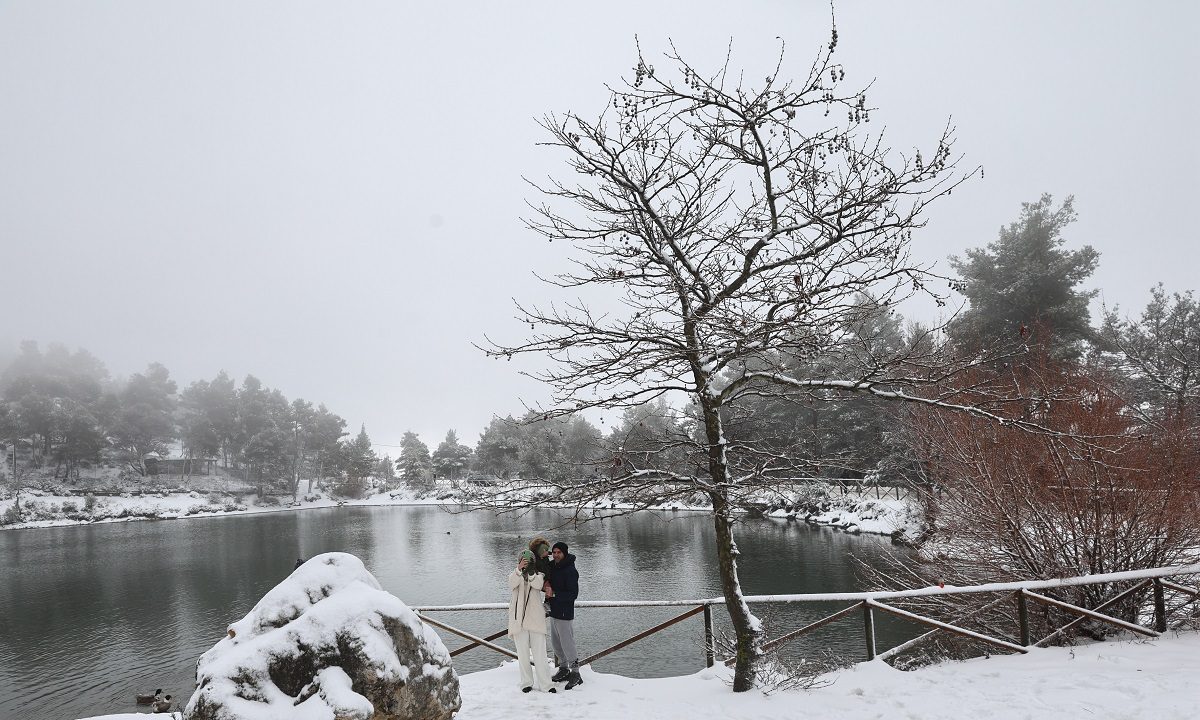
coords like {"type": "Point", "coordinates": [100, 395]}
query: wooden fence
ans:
{"type": "Point", "coordinates": [866, 604]}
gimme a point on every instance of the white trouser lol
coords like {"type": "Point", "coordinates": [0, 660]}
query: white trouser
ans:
{"type": "Point", "coordinates": [531, 643]}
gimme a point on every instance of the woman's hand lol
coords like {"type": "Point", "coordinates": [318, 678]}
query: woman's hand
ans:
{"type": "Point", "coordinates": [522, 563]}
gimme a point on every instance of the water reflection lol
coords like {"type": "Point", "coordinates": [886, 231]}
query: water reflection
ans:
{"type": "Point", "coordinates": [112, 610]}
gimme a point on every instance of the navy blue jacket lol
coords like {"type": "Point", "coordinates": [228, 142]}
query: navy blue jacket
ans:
{"type": "Point", "coordinates": [565, 581]}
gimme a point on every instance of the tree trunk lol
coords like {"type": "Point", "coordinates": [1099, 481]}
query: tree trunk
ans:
{"type": "Point", "coordinates": [747, 628]}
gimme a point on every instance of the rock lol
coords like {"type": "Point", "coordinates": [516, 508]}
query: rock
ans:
{"type": "Point", "coordinates": [327, 643]}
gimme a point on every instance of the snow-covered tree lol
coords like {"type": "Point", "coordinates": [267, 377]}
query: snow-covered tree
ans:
{"type": "Point", "coordinates": [732, 222]}
{"type": "Point", "coordinates": [145, 420]}
{"type": "Point", "coordinates": [414, 463]}
{"type": "Point", "coordinates": [452, 458]}
{"type": "Point", "coordinates": [1160, 352]}
{"type": "Point", "coordinates": [57, 403]}
{"type": "Point", "coordinates": [498, 449]}
{"type": "Point", "coordinates": [360, 463]}
{"type": "Point", "coordinates": [1027, 280]}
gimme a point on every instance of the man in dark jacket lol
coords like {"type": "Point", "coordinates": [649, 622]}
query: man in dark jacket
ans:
{"type": "Point", "coordinates": [564, 586]}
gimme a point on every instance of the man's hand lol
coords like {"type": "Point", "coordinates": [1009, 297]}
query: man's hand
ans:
{"type": "Point", "coordinates": [548, 590]}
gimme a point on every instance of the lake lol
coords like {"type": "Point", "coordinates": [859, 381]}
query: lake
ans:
{"type": "Point", "coordinates": [92, 615]}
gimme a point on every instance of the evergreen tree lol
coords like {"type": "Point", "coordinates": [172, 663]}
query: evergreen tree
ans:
{"type": "Point", "coordinates": [385, 471]}
{"type": "Point", "coordinates": [328, 457]}
{"type": "Point", "coordinates": [414, 463]}
{"type": "Point", "coordinates": [197, 427]}
{"type": "Point", "coordinates": [452, 458]}
{"type": "Point", "coordinates": [56, 400]}
{"type": "Point", "coordinates": [822, 432]}
{"type": "Point", "coordinates": [498, 449]}
{"type": "Point", "coordinates": [263, 433]}
{"type": "Point", "coordinates": [221, 409]}
{"type": "Point", "coordinates": [302, 421]}
{"type": "Point", "coordinates": [1159, 353]}
{"type": "Point", "coordinates": [360, 463]}
{"type": "Point", "coordinates": [145, 419]}
{"type": "Point", "coordinates": [1026, 281]}
{"type": "Point", "coordinates": [653, 434]}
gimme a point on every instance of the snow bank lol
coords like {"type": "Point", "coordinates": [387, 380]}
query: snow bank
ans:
{"type": "Point", "coordinates": [1114, 680]}
{"type": "Point", "coordinates": [1155, 680]}
{"type": "Point", "coordinates": [326, 643]}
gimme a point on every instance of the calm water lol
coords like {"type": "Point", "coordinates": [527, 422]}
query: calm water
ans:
{"type": "Point", "coordinates": [92, 615]}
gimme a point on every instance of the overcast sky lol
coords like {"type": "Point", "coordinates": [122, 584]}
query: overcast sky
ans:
{"type": "Point", "coordinates": [328, 194]}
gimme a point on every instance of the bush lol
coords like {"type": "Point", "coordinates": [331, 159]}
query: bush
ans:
{"type": "Point", "coordinates": [269, 500]}
{"type": "Point", "coordinates": [11, 515]}
{"type": "Point", "coordinates": [89, 503]}
{"type": "Point", "coordinates": [350, 488]}
{"type": "Point", "coordinates": [69, 507]}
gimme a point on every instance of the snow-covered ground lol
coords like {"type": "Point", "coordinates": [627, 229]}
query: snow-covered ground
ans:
{"type": "Point", "coordinates": [851, 512]}
{"type": "Point", "coordinates": [858, 513]}
{"type": "Point", "coordinates": [1122, 680]}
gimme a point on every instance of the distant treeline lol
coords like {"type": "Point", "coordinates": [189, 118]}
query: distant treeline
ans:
{"type": "Point", "coordinates": [60, 408]}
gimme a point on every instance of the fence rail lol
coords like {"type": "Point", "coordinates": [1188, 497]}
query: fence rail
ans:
{"type": "Point", "coordinates": [867, 603]}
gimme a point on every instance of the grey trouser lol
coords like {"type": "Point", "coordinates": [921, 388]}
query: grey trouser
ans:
{"type": "Point", "coordinates": [562, 637]}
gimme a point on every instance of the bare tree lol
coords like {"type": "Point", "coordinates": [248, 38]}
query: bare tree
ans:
{"type": "Point", "coordinates": [1102, 492]}
{"type": "Point", "coordinates": [739, 223]}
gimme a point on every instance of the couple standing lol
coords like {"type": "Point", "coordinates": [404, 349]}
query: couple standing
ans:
{"type": "Point", "coordinates": [544, 575]}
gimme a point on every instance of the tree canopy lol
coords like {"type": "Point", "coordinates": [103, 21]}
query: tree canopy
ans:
{"type": "Point", "coordinates": [1026, 281]}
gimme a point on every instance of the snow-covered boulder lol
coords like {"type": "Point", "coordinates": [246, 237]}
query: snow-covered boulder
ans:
{"type": "Point", "coordinates": [327, 643]}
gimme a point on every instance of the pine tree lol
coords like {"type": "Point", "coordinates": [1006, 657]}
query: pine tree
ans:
{"type": "Point", "coordinates": [452, 458]}
{"type": "Point", "coordinates": [145, 421]}
{"type": "Point", "coordinates": [360, 457]}
{"type": "Point", "coordinates": [414, 463]}
{"type": "Point", "coordinates": [497, 452]}
{"type": "Point", "coordinates": [1159, 353]}
{"type": "Point", "coordinates": [1025, 280]}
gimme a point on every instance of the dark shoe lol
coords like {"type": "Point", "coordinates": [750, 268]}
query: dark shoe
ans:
{"type": "Point", "coordinates": [552, 690]}
{"type": "Point", "coordinates": [563, 673]}
{"type": "Point", "coordinates": [526, 689]}
{"type": "Point", "coordinates": [573, 679]}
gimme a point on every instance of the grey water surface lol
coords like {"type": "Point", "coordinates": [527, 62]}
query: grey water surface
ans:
{"type": "Point", "coordinates": [92, 615]}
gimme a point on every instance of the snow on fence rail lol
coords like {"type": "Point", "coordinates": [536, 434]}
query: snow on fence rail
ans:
{"type": "Point", "coordinates": [868, 602]}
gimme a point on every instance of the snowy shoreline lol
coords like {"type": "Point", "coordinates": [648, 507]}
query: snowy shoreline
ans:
{"type": "Point", "coordinates": [853, 513]}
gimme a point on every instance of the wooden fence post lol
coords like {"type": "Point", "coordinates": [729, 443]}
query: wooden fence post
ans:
{"type": "Point", "coordinates": [1160, 607]}
{"type": "Point", "coordinates": [1023, 616]}
{"type": "Point", "coordinates": [708, 636]}
{"type": "Point", "coordinates": [869, 629]}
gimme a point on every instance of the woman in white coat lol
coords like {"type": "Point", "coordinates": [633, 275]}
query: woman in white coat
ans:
{"type": "Point", "coordinates": [527, 623]}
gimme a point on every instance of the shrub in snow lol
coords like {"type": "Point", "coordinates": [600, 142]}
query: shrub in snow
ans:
{"type": "Point", "coordinates": [327, 643]}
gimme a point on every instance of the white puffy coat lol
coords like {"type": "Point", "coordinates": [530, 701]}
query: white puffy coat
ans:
{"type": "Point", "coordinates": [525, 611]}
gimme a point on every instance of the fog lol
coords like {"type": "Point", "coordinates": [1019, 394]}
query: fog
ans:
{"type": "Point", "coordinates": [329, 195]}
